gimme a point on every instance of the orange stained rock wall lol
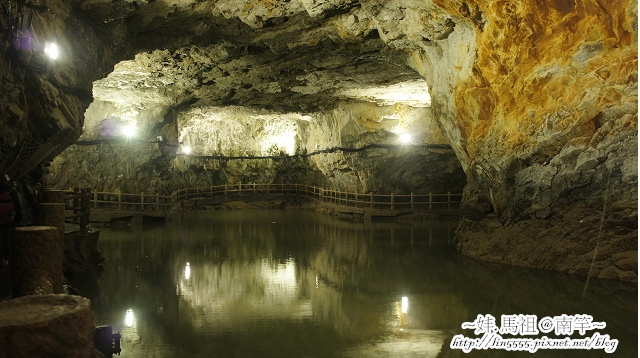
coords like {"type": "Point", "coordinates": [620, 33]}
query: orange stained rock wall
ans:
{"type": "Point", "coordinates": [544, 67]}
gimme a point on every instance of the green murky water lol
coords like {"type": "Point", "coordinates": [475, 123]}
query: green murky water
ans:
{"type": "Point", "coordinates": [300, 284]}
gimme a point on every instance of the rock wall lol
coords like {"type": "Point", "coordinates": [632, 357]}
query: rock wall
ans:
{"type": "Point", "coordinates": [42, 101]}
{"type": "Point", "coordinates": [539, 102]}
{"type": "Point", "coordinates": [544, 121]}
{"type": "Point", "coordinates": [106, 162]}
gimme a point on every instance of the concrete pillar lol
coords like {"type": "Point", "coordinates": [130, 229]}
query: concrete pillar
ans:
{"type": "Point", "coordinates": [52, 214]}
{"type": "Point", "coordinates": [46, 326]}
{"type": "Point", "coordinates": [52, 196]}
{"type": "Point", "coordinates": [37, 260]}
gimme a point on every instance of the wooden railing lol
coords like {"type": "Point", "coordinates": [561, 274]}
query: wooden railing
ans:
{"type": "Point", "coordinates": [77, 207]}
{"type": "Point", "coordinates": [162, 203]}
{"type": "Point", "coordinates": [133, 202]}
{"type": "Point", "coordinates": [357, 200]}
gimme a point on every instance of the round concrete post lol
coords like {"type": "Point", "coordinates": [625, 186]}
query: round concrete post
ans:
{"type": "Point", "coordinates": [37, 259]}
{"type": "Point", "coordinates": [46, 326]}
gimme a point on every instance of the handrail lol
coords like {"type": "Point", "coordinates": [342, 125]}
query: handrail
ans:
{"type": "Point", "coordinates": [161, 203]}
{"type": "Point", "coordinates": [77, 203]}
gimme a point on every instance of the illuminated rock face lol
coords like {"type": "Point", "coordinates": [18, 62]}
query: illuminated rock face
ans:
{"type": "Point", "coordinates": [546, 129]}
{"type": "Point", "coordinates": [537, 99]}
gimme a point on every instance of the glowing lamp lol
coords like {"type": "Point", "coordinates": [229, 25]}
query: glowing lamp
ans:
{"type": "Point", "coordinates": [405, 138]}
{"type": "Point", "coordinates": [128, 318]}
{"type": "Point", "coordinates": [186, 150]}
{"type": "Point", "coordinates": [129, 130]}
{"type": "Point", "coordinates": [51, 50]}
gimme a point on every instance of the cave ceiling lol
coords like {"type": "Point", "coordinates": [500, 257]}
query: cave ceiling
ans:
{"type": "Point", "coordinates": [297, 55]}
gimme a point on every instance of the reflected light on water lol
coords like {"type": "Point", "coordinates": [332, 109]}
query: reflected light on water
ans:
{"type": "Point", "coordinates": [128, 318]}
{"type": "Point", "coordinates": [405, 304]}
{"type": "Point", "coordinates": [229, 292]}
{"type": "Point", "coordinates": [279, 277]}
{"type": "Point", "coordinates": [187, 272]}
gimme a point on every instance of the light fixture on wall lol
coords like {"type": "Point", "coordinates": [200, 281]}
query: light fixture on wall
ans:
{"type": "Point", "coordinates": [405, 138]}
{"type": "Point", "coordinates": [186, 149]}
{"type": "Point", "coordinates": [51, 50]}
{"type": "Point", "coordinates": [129, 129]}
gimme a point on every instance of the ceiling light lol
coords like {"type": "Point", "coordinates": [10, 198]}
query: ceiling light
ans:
{"type": "Point", "coordinates": [51, 50]}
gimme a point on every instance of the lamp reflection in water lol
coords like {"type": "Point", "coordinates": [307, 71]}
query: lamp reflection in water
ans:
{"type": "Point", "coordinates": [402, 309]}
{"type": "Point", "coordinates": [405, 304]}
{"type": "Point", "coordinates": [129, 318]}
{"type": "Point", "coordinates": [187, 272]}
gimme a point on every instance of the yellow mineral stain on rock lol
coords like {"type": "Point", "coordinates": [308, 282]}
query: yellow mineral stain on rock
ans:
{"type": "Point", "coordinates": [540, 57]}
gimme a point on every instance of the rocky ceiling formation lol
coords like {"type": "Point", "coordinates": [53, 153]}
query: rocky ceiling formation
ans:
{"type": "Point", "coordinates": [538, 100]}
{"type": "Point", "coordinates": [284, 56]}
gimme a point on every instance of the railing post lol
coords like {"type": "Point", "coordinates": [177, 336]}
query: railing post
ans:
{"type": "Point", "coordinates": [356, 200]}
{"type": "Point", "coordinates": [95, 199]}
{"type": "Point", "coordinates": [430, 201]}
{"type": "Point", "coordinates": [448, 200]}
{"type": "Point", "coordinates": [158, 202]}
{"type": "Point", "coordinates": [371, 200]}
{"type": "Point", "coordinates": [142, 201]}
{"type": "Point", "coordinates": [411, 201]}
{"type": "Point", "coordinates": [225, 189]}
{"type": "Point", "coordinates": [75, 203]}
{"type": "Point", "coordinates": [84, 209]}
{"type": "Point", "coordinates": [392, 201]}
{"type": "Point", "coordinates": [119, 201]}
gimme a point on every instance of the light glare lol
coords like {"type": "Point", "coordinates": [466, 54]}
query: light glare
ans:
{"type": "Point", "coordinates": [405, 304]}
{"type": "Point", "coordinates": [186, 150]}
{"type": "Point", "coordinates": [128, 318]}
{"type": "Point", "coordinates": [51, 50]}
{"type": "Point", "coordinates": [187, 272]}
{"type": "Point", "coordinates": [129, 130]}
{"type": "Point", "coordinates": [405, 138]}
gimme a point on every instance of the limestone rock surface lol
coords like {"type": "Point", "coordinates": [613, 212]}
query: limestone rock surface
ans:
{"type": "Point", "coordinates": [537, 99]}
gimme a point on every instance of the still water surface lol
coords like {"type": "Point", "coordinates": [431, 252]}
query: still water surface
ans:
{"type": "Point", "coordinates": [265, 283]}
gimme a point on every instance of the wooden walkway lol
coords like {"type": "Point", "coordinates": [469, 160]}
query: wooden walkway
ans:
{"type": "Point", "coordinates": [108, 205]}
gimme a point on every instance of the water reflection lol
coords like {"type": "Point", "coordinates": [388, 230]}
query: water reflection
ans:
{"type": "Point", "coordinates": [128, 318]}
{"type": "Point", "coordinates": [187, 272]}
{"type": "Point", "coordinates": [279, 283]}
